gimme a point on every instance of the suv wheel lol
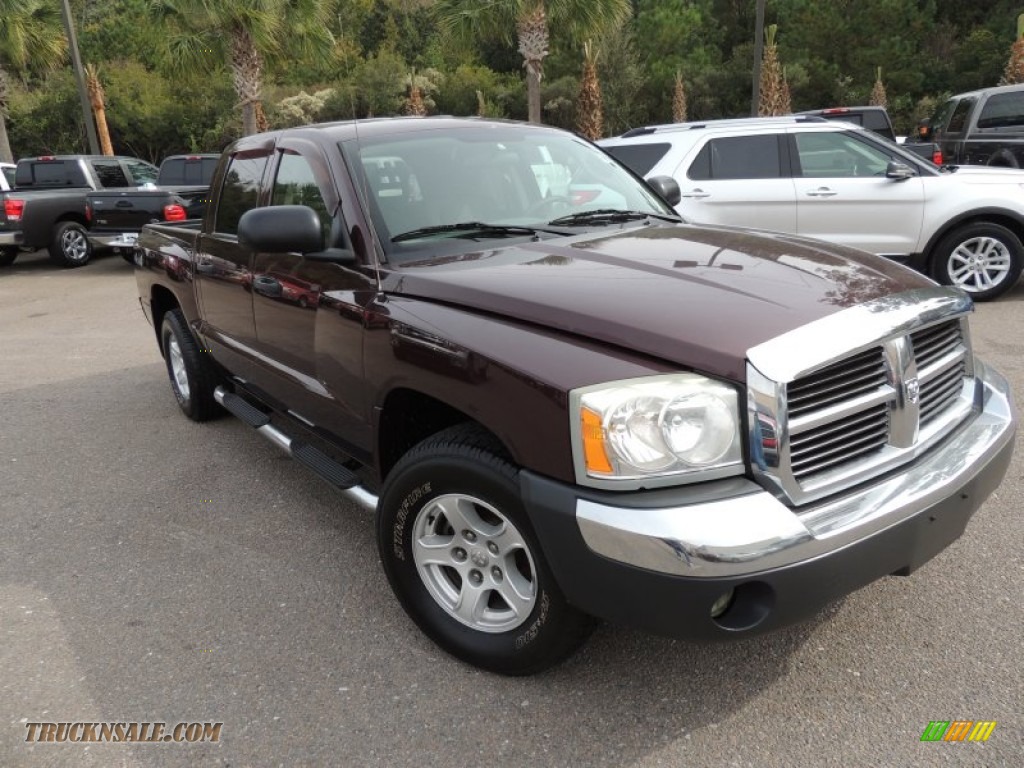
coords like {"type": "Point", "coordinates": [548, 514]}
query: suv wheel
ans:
{"type": "Point", "coordinates": [7, 256]}
{"type": "Point", "coordinates": [983, 259]}
{"type": "Point", "coordinates": [70, 246]}
{"type": "Point", "coordinates": [462, 559]}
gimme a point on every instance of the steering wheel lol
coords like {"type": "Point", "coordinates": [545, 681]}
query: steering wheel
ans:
{"type": "Point", "coordinates": [547, 206]}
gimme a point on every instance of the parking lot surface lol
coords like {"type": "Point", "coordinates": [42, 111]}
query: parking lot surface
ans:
{"type": "Point", "coordinates": [156, 570]}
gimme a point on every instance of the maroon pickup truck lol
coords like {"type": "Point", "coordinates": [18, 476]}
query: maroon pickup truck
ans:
{"type": "Point", "coordinates": [563, 403]}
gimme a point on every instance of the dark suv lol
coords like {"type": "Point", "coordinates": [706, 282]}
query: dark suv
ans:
{"type": "Point", "coordinates": [984, 127]}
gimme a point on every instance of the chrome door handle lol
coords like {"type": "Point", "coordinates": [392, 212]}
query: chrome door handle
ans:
{"type": "Point", "coordinates": [697, 193]}
{"type": "Point", "coordinates": [822, 192]}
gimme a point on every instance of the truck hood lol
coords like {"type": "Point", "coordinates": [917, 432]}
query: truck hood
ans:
{"type": "Point", "coordinates": [696, 296]}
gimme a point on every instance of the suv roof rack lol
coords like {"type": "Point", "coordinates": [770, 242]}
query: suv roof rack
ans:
{"type": "Point", "coordinates": [666, 127]}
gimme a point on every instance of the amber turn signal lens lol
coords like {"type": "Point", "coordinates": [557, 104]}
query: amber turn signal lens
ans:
{"type": "Point", "coordinates": [593, 443]}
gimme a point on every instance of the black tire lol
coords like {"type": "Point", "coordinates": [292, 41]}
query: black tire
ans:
{"type": "Point", "coordinates": [184, 357]}
{"type": "Point", "coordinates": [7, 256]}
{"type": "Point", "coordinates": [467, 464]}
{"type": "Point", "coordinates": [983, 259]}
{"type": "Point", "coordinates": [70, 245]}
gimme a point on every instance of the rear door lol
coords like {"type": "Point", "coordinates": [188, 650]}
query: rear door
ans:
{"type": "Point", "coordinates": [739, 181]}
{"type": "Point", "coordinates": [844, 196]}
{"type": "Point", "coordinates": [224, 266]}
{"type": "Point", "coordinates": [113, 210]}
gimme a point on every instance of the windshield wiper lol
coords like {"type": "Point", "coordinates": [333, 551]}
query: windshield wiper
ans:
{"type": "Point", "coordinates": [475, 227]}
{"type": "Point", "coordinates": [610, 215]}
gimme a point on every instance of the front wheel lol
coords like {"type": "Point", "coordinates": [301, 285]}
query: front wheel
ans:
{"type": "Point", "coordinates": [983, 259]}
{"type": "Point", "coordinates": [70, 246]}
{"type": "Point", "coordinates": [462, 559]}
{"type": "Point", "coordinates": [7, 256]}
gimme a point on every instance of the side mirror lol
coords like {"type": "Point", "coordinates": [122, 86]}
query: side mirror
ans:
{"type": "Point", "coordinates": [281, 229]}
{"type": "Point", "coordinates": [667, 188]}
{"type": "Point", "coordinates": [898, 171]}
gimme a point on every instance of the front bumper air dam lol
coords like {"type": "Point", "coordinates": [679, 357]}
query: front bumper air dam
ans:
{"type": "Point", "coordinates": [658, 560]}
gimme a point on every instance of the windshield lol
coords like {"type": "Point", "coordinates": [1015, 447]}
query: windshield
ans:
{"type": "Point", "coordinates": [419, 184]}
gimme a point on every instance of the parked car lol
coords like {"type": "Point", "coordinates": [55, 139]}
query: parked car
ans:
{"type": "Point", "coordinates": [983, 127]}
{"type": "Point", "coordinates": [559, 410]}
{"type": "Point", "coordinates": [877, 120]}
{"type": "Point", "coordinates": [6, 176]}
{"type": "Point", "coordinates": [180, 192]}
{"type": "Point", "coordinates": [837, 182]}
{"type": "Point", "coordinates": [47, 207]}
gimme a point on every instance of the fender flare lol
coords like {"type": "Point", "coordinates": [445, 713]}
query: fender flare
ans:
{"type": "Point", "coordinates": [981, 214]}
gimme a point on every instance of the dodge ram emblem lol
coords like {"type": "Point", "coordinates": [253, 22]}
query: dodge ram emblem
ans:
{"type": "Point", "coordinates": [913, 391]}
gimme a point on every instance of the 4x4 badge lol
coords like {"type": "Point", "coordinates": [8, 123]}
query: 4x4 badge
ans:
{"type": "Point", "coordinates": [913, 391]}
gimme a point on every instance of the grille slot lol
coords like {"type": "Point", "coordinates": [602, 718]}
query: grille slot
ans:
{"type": "Point", "coordinates": [941, 392]}
{"type": "Point", "coordinates": [942, 388]}
{"type": "Point", "coordinates": [847, 439]}
{"type": "Point", "coordinates": [840, 381]}
{"type": "Point", "coordinates": [932, 343]}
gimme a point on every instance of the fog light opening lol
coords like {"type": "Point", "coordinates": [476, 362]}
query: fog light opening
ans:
{"type": "Point", "coordinates": [743, 607]}
{"type": "Point", "coordinates": [721, 605]}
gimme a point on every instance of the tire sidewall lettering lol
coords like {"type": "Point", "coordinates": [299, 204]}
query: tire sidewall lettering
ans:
{"type": "Point", "coordinates": [402, 516]}
{"type": "Point", "coordinates": [534, 629]}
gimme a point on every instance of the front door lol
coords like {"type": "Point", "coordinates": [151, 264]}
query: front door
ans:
{"type": "Point", "coordinates": [844, 196]}
{"type": "Point", "coordinates": [308, 313]}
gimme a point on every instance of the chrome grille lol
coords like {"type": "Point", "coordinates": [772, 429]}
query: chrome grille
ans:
{"type": "Point", "coordinates": [843, 381]}
{"type": "Point", "coordinates": [940, 354]}
{"type": "Point", "coordinates": [844, 396]}
{"type": "Point", "coordinates": [822, 422]}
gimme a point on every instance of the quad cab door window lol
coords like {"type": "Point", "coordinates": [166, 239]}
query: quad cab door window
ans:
{"type": "Point", "coordinates": [842, 184]}
{"type": "Point", "coordinates": [141, 173]}
{"type": "Point", "coordinates": [741, 181]}
{"type": "Point", "coordinates": [223, 266]}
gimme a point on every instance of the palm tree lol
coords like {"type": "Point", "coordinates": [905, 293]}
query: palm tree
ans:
{"type": "Point", "coordinates": [878, 96]}
{"type": "Point", "coordinates": [679, 100]}
{"type": "Point", "coordinates": [99, 107]}
{"type": "Point", "coordinates": [203, 34]}
{"type": "Point", "coordinates": [1014, 72]}
{"type": "Point", "coordinates": [771, 90]}
{"type": "Point", "coordinates": [589, 110]}
{"type": "Point", "coordinates": [532, 20]}
{"type": "Point", "coordinates": [30, 38]}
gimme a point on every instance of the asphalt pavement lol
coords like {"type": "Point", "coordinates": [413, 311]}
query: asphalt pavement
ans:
{"type": "Point", "coordinates": [156, 570]}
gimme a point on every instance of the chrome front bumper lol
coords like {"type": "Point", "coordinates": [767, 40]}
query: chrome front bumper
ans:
{"type": "Point", "coordinates": [756, 532]}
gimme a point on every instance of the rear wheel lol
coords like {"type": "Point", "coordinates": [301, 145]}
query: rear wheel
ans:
{"type": "Point", "coordinates": [193, 375]}
{"type": "Point", "coordinates": [464, 562]}
{"type": "Point", "coordinates": [983, 259]}
{"type": "Point", "coordinates": [70, 246]}
{"type": "Point", "coordinates": [7, 256]}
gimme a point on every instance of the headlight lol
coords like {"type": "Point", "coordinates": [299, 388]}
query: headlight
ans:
{"type": "Point", "coordinates": [656, 431]}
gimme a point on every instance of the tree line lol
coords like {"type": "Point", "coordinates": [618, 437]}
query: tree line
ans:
{"type": "Point", "coordinates": [192, 75]}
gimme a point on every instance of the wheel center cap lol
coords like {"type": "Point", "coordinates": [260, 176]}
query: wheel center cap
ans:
{"type": "Point", "coordinates": [479, 559]}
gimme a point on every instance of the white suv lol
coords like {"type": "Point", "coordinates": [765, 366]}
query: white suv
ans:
{"type": "Point", "coordinates": [838, 182]}
{"type": "Point", "coordinates": [7, 176]}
